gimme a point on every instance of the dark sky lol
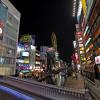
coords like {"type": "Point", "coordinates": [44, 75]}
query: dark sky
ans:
{"type": "Point", "coordinates": [42, 17]}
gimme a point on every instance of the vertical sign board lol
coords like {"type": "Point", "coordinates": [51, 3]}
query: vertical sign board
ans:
{"type": "Point", "coordinates": [84, 7]}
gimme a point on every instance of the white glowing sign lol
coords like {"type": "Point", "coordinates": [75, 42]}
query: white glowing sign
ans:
{"type": "Point", "coordinates": [97, 59]}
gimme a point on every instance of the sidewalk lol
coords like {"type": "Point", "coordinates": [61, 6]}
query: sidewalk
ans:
{"type": "Point", "coordinates": [97, 82]}
{"type": "Point", "coordinates": [75, 83]}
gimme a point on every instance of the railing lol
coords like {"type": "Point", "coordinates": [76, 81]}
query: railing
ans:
{"type": "Point", "coordinates": [94, 89]}
{"type": "Point", "coordinates": [45, 90]}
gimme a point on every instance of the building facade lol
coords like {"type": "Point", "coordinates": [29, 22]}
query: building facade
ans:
{"type": "Point", "coordinates": [89, 22]}
{"type": "Point", "coordinates": [26, 52]}
{"type": "Point", "coordinates": [9, 31]}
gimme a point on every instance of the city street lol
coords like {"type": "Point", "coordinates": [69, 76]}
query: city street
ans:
{"type": "Point", "coordinates": [50, 50]}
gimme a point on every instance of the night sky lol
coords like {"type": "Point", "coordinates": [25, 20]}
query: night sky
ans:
{"type": "Point", "coordinates": [42, 17]}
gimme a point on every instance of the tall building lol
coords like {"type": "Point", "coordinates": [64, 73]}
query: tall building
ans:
{"type": "Point", "coordinates": [9, 31]}
{"type": "Point", "coordinates": [80, 45]}
{"type": "Point", "coordinates": [26, 52]}
{"type": "Point", "coordinates": [88, 15]}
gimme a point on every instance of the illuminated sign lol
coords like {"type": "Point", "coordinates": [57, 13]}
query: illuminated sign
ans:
{"type": "Point", "coordinates": [26, 61]}
{"type": "Point", "coordinates": [1, 30]}
{"type": "Point", "coordinates": [74, 44]}
{"type": "Point", "coordinates": [80, 39]}
{"type": "Point", "coordinates": [97, 59]}
{"type": "Point", "coordinates": [87, 50]}
{"type": "Point", "coordinates": [89, 5]}
{"type": "Point", "coordinates": [25, 39]}
{"type": "Point", "coordinates": [84, 6]}
{"type": "Point", "coordinates": [87, 42]}
{"type": "Point", "coordinates": [37, 62]}
{"type": "Point", "coordinates": [80, 45]}
{"type": "Point", "coordinates": [86, 30]}
{"type": "Point", "coordinates": [25, 54]}
{"type": "Point", "coordinates": [79, 8]}
{"type": "Point", "coordinates": [74, 7]}
{"type": "Point", "coordinates": [81, 52]}
{"type": "Point", "coordinates": [81, 48]}
{"type": "Point", "coordinates": [79, 33]}
{"type": "Point", "coordinates": [33, 47]}
{"type": "Point", "coordinates": [20, 61]}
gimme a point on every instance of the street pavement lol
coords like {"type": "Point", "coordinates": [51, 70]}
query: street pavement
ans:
{"type": "Point", "coordinates": [72, 82]}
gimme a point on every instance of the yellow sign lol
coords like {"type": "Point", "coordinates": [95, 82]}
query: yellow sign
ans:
{"type": "Point", "coordinates": [84, 7]}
